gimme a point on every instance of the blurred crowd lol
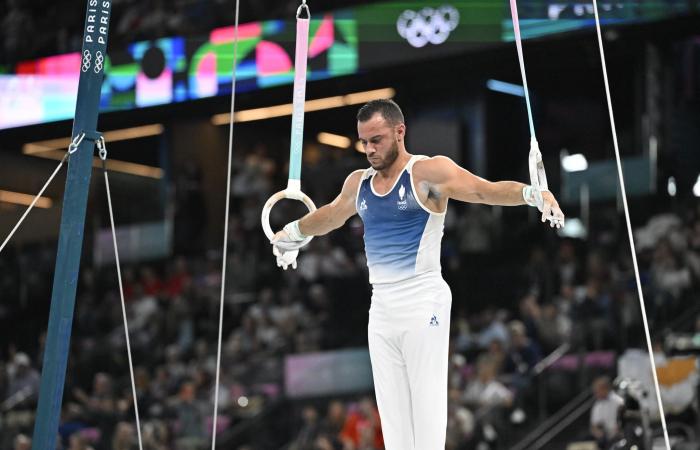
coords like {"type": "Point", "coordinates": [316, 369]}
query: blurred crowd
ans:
{"type": "Point", "coordinates": [518, 296]}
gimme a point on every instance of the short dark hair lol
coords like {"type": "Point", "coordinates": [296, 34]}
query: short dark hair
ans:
{"type": "Point", "coordinates": [388, 108]}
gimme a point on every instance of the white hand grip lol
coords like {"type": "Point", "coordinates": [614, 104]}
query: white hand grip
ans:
{"type": "Point", "coordinates": [292, 194]}
{"type": "Point", "coordinates": [538, 180]}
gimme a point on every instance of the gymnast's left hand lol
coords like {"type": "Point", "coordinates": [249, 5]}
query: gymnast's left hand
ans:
{"type": "Point", "coordinates": [285, 256]}
{"type": "Point", "coordinates": [551, 211]}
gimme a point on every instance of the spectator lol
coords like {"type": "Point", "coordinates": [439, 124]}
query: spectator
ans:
{"type": "Point", "coordinates": [22, 442]}
{"type": "Point", "coordinates": [494, 327]}
{"type": "Point", "coordinates": [102, 399]}
{"type": "Point", "coordinates": [567, 264]}
{"type": "Point", "coordinates": [124, 437]}
{"type": "Point", "coordinates": [155, 436]}
{"type": "Point", "coordinates": [489, 400]}
{"type": "Point", "coordinates": [78, 442]}
{"type": "Point", "coordinates": [362, 429]}
{"type": "Point", "coordinates": [604, 414]}
{"type": "Point", "coordinates": [591, 315]}
{"type": "Point", "coordinates": [190, 419]}
{"type": "Point", "coordinates": [309, 430]}
{"type": "Point", "coordinates": [332, 425]}
{"type": "Point", "coordinates": [151, 283]}
{"type": "Point", "coordinates": [669, 277]}
{"type": "Point", "coordinates": [553, 327]}
{"type": "Point", "coordinates": [460, 426]}
{"type": "Point", "coordinates": [23, 380]}
{"type": "Point", "coordinates": [524, 352]}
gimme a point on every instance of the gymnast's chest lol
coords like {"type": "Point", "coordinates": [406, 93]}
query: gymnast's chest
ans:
{"type": "Point", "coordinates": [397, 205]}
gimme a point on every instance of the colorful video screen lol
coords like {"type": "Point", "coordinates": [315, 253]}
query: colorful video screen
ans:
{"type": "Point", "coordinates": [175, 69]}
{"type": "Point", "coordinates": [344, 42]}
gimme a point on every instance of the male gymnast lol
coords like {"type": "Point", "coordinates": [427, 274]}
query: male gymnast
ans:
{"type": "Point", "coordinates": [402, 200]}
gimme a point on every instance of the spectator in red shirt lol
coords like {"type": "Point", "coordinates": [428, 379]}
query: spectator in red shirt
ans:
{"type": "Point", "coordinates": [361, 425]}
{"type": "Point", "coordinates": [152, 285]}
{"type": "Point", "coordinates": [179, 278]}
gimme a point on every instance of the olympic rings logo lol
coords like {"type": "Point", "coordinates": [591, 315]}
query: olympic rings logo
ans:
{"type": "Point", "coordinates": [87, 60]}
{"type": "Point", "coordinates": [99, 59]}
{"type": "Point", "coordinates": [429, 25]}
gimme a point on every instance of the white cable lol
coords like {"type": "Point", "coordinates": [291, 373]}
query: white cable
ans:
{"type": "Point", "coordinates": [225, 246]}
{"type": "Point", "coordinates": [629, 228]}
{"type": "Point", "coordinates": [121, 296]}
{"type": "Point", "coordinates": [31, 205]}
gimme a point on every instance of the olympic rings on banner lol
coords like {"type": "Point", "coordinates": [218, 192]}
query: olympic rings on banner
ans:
{"type": "Point", "coordinates": [99, 59]}
{"type": "Point", "coordinates": [87, 60]}
{"type": "Point", "coordinates": [429, 25]}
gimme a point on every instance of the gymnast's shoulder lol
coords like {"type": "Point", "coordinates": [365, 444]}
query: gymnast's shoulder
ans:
{"type": "Point", "coordinates": [352, 181]}
{"type": "Point", "coordinates": [434, 168]}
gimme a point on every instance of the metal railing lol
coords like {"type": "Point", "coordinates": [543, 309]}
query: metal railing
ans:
{"type": "Point", "coordinates": [557, 422]}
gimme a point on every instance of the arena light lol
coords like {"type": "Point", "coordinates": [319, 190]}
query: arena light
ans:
{"type": "Point", "coordinates": [18, 198]}
{"type": "Point", "coordinates": [319, 104]}
{"type": "Point", "coordinates": [134, 133]}
{"type": "Point", "coordinates": [574, 229]}
{"type": "Point", "coordinates": [364, 97]}
{"type": "Point", "coordinates": [32, 148]}
{"type": "Point", "coordinates": [334, 140]}
{"type": "Point", "coordinates": [324, 103]}
{"type": "Point", "coordinates": [671, 186]}
{"type": "Point", "coordinates": [113, 165]}
{"type": "Point", "coordinates": [696, 187]}
{"type": "Point", "coordinates": [56, 149]}
{"type": "Point", "coordinates": [506, 88]}
{"type": "Point", "coordinates": [359, 147]}
{"type": "Point", "coordinates": [250, 115]}
{"type": "Point", "coordinates": [574, 163]}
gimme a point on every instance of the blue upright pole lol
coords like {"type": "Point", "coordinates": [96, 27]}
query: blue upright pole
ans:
{"type": "Point", "coordinates": [70, 240]}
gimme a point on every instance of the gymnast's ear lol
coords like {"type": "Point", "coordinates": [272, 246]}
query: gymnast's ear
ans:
{"type": "Point", "coordinates": [400, 131]}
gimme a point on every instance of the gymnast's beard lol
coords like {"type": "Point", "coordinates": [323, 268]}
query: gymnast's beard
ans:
{"type": "Point", "coordinates": [388, 160]}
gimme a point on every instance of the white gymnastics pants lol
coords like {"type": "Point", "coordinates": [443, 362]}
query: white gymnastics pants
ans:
{"type": "Point", "coordinates": [409, 365]}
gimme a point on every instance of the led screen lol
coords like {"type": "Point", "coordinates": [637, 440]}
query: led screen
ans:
{"type": "Point", "coordinates": [175, 69]}
{"type": "Point", "coordinates": [345, 42]}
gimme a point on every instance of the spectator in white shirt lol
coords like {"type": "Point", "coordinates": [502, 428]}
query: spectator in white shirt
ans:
{"type": "Point", "coordinates": [604, 414]}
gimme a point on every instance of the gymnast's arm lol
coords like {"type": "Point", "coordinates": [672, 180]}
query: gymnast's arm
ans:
{"type": "Point", "coordinates": [447, 178]}
{"type": "Point", "coordinates": [333, 215]}
{"type": "Point", "coordinates": [326, 218]}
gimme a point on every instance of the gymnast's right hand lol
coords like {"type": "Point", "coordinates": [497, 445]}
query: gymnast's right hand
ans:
{"type": "Point", "coordinates": [284, 245]}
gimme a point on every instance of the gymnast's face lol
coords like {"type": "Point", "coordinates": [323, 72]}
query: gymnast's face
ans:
{"type": "Point", "coordinates": [380, 140]}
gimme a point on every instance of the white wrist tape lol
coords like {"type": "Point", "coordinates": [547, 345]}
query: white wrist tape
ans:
{"type": "Point", "coordinates": [292, 230]}
{"type": "Point", "coordinates": [529, 196]}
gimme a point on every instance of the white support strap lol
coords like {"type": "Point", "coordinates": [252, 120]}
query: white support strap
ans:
{"type": "Point", "coordinates": [538, 178]}
{"type": "Point", "coordinates": [71, 149]}
{"type": "Point", "coordinates": [224, 252]}
{"type": "Point", "coordinates": [293, 190]}
{"type": "Point", "coordinates": [629, 230]}
{"type": "Point", "coordinates": [103, 156]}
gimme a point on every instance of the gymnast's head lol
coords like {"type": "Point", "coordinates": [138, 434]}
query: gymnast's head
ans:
{"type": "Point", "coordinates": [381, 130]}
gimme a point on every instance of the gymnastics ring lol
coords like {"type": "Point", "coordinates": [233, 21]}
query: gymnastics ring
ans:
{"type": "Point", "coordinates": [293, 193]}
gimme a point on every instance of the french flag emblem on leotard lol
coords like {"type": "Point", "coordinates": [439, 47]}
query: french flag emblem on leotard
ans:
{"type": "Point", "coordinates": [402, 203]}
